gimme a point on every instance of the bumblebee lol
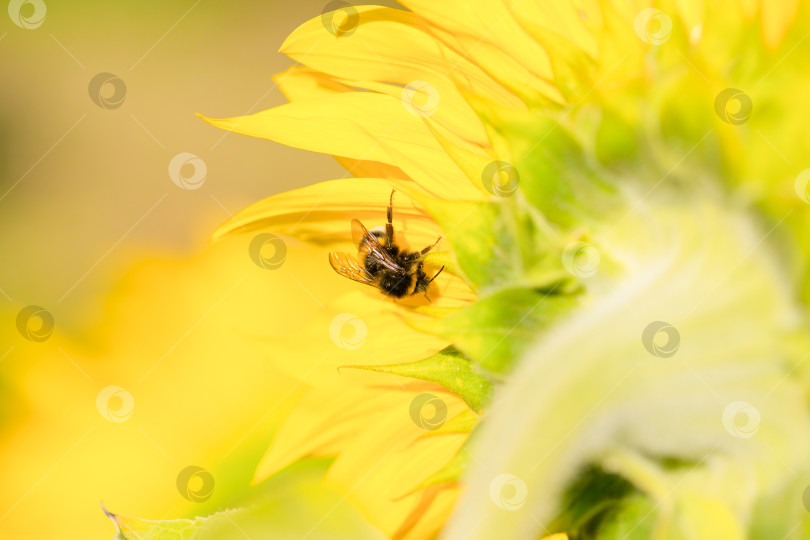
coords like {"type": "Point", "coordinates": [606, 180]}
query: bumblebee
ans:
{"type": "Point", "coordinates": [380, 263]}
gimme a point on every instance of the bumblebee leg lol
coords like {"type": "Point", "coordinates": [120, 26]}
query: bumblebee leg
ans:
{"type": "Point", "coordinates": [431, 246]}
{"type": "Point", "coordinates": [389, 226]}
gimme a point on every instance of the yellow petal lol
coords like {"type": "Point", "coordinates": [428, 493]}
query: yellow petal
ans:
{"type": "Point", "coordinates": [350, 323]}
{"type": "Point", "coordinates": [320, 214]}
{"type": "Point", "coordinates": [691, 13]}
{"type": "Point", "coordinates": [373, 51]}
{"type": "Point", "coordinates": [429, 514]}
{"type": "Point", "coordinates": [466, 132]}
{"type": "Point", "coordinates": [776, 18]}
{"type": "Point", "coordinates": [749, 7]}
{"type": "Point", "coordinates": [364, 168]}
{"type": "Point", "coordinates": [560, 18]}
{"type": "Point", "coordinates": [367, 423]}
{"type": "Point", "coordinates": [386, 337]}
{"type": "Point", "coordinates": [396, 460]}
{"type": "Point", "coordinates": [300, 82]}
{"type": "Point", "coordinates": [358, 327]}
{"type": "Point", "coordinates": [488, 34]}
{"type": "Point", "coordinates": [362, 126]}
{"type": "Point", "coordinates": [322, 423]}
{"type": "Point", "coordinates": [390, 47]}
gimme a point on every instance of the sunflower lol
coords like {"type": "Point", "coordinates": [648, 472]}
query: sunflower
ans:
{"type": "Point", "coordinates": [615, 349]}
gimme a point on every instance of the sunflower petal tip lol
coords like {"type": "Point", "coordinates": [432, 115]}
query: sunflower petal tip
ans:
{"type": "Point", "coordinates": [355, 366]}
{"type": "Point", "coordinates": [262, 473]}
{"type": "Point", "coordinates": [208, 119]}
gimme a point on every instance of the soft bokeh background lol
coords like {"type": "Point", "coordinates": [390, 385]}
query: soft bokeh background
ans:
{"type": "Point", "coordinates": [76, 178]}
{"type": "Point", "coordinates": [94, 231]}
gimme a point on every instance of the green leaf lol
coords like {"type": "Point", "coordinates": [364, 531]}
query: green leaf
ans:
{"type": "Point", "coordinates": [496, 329]}
{"type": "Point", "coordinates": [131, 528]}
{"type": "Point", "coordinates": [447, 368]}
{"type": "Point", "coordinates": [292, 504]}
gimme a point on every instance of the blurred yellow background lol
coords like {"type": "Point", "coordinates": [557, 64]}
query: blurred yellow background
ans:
{"type": "Point", "coordinates": [95, 231]}
{"type": "Point", "coordinates": [78, 180]}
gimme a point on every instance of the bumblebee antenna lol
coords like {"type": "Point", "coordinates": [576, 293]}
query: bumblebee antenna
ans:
{"type": "Point", "coordinates": [435, 276]}
{"type": "Point", "coordinates": [431, 280]}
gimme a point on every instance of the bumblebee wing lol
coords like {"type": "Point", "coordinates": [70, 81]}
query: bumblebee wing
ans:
{"type": "Point", "coordinates": [362, 237]}
{"type": "Point", "coordinates": [346, 266]}
{"type": "Point", "coordinates": [359, 233]}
